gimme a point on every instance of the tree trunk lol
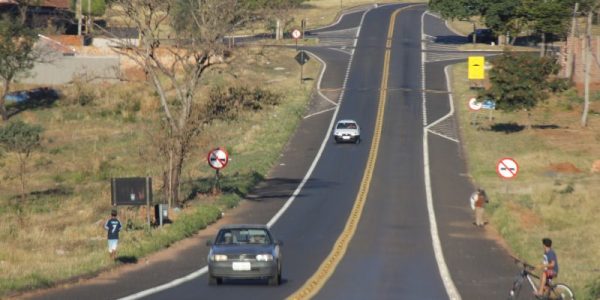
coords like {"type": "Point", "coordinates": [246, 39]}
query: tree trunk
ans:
{"type": "Point", "coordinates": [3, 111]}
{"type": "Point", "coordinates": [22, 162]}
{"type": "Point", "coordinates": [569, 69]}
{"type": "Point", "coordinates": [588, 50]}
{"type": "Point", "coordinates": [543, 47]}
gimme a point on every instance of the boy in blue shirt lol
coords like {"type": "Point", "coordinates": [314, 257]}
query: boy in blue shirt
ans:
{"type": "Point", "coordinates": [113, 226]}
{"type": "Point", "coordinates": [550, 266]}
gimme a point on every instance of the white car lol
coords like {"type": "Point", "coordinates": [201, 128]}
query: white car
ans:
{"type": "Point", "coordinates": [346, 131]}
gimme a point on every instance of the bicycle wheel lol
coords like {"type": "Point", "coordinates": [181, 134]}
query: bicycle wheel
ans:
{"type": "Point", "coordinates": [560, 292]}
{"type": "Point", "coordinates": [516, 288]}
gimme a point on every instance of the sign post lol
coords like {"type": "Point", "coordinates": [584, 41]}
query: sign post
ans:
{"type": "Point", "coordinates": [302, 57]}
{"type": "Point", "coordinates": [296, 35]}
{"type": "Point", "coordinates": [217, 159]}
{"type": "Point", "coordinates": [474, 106]}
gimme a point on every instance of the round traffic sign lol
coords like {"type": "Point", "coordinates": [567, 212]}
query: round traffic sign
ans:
{"type": "Point", "coordinates": [296, 33]}
{"type": "Point", "coordinates": [474, 105]}
{"type": "Point", "coordinates": [507, 168]}
{"type": "Point", "coordinates": [218, 158]}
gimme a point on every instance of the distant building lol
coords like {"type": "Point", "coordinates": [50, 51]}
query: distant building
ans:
{"type": "Point", "coordinates": [55, 14]}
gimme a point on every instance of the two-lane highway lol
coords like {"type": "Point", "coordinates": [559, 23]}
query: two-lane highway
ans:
{"type": "Point", "coordinates": [360, 226]}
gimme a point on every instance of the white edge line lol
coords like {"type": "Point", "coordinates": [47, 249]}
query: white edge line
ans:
{"type": "Point", "coordinates": [325, 139]}
{"type": "Point", "coordinates": [340, 50]}
{"type": "Point", "coordinates": [435, 238]}
{"type": "Point", "coordinates": [321, 77]}
{"type": "Point", "coordinates": [423, 59]}
{"type": "Point", "coordinates": [166, 286]}
{"type": "Point", "coordinates": [273, 220]}
{"type": "Point", "coordinates": [449, 88]}
{"type": "Point", "coordinates": [318, 113]}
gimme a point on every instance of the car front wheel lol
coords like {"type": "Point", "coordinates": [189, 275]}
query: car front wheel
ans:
{"type": "Point", "coordinates": [275, 280]}
{"type": "Point", "coordinates": [212, 280]}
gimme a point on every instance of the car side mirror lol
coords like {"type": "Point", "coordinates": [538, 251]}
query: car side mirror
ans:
{"type": "Point", "coordinates": [278, 242]}
{"type": "Point", "coordinates": [209, 243]}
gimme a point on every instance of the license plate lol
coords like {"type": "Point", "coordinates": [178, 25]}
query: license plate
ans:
{"type": "Point", "coordinates": [346, 137]}
{"type": "Point", "coordinates": [241, 266]}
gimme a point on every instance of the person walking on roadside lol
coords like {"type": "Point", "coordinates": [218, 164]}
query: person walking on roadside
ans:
{"type": "Point", "coordinates": [478, 200]}
{"type": "Point", "coordinates": [113, 226]}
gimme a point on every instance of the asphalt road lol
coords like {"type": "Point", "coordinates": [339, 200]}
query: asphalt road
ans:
{"type": "Point", "coordinates": [391, 254]}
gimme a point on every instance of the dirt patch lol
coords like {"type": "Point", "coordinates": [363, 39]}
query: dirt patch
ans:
{"type": "Point", "coordinates": [526, 217]}
{"type": "Point", "coordinates": [564, 167]}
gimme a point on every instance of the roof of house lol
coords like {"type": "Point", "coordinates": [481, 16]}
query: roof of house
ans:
{"type": "Point", "coordinates": [56, 3]}
{"type": "Point", "coordinates": [45, 3]}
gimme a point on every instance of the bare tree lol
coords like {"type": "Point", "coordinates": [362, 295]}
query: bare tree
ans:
{"type": "Point", "coordinates": [196, 28]}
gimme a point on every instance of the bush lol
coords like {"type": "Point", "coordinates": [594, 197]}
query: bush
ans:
{"type": "Point", "coordinates": [520, 81]}
{"type": "Point", "coordinates": [227, 104]}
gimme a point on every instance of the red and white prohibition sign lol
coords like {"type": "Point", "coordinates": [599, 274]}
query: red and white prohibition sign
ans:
{"type": "Point", "coordinates": [507, 168]}
{"type": "Point", "coordinates": [218, 158]}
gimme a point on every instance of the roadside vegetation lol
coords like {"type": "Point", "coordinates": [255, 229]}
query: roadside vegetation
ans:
{"type": "Point", "coordinates": [555, 192]}
{"type": "Point", "coordinates": [96, 131]}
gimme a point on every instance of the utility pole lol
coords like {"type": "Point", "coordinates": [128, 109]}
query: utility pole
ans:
{"type": "Point", "coordinates": [79, 17]}
{"type": "Point", "coordinates": [89, 17]}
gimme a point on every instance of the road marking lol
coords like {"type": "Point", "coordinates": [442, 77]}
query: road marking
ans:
{"type": "Point", "coordinates": [289, 202]}
{"type": "Point", "coordinates": [433, 229]}
{"type": "Point", "coordinates": [314, 284]}
{"type": "Point", "coordinates": [321, 78]}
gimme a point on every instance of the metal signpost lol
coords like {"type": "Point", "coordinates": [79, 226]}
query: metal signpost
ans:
{"type": "Point", "coordinates": [217, 159]}
{"type": "Point", "coordinates": [302, 57]}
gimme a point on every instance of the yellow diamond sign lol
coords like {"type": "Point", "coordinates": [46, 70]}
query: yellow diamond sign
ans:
{"type": "Point", "coordinates": [476, 64]}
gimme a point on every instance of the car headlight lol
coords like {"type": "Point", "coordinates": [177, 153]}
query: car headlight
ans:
{"type": "Point", "coordinates": [219, 257]}
{"type": "Point", "coordinates": [264, 257]}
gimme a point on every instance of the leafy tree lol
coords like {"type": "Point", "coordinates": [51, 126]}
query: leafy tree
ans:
{"type": "Point", "coordinates": [501, 15]}
{"type": "Point", "coordinates": [547, 17]}
{"type": "Point", "coordinates": [17, 55]}
{"type": "Point", "coordinates": [22, 139]}
{"type": "Point", "coordinates": [462, 10]}
{"type": "Point", "coordinates": [95, 8]}
{"type": "Point", "coordinates": [520, 81]}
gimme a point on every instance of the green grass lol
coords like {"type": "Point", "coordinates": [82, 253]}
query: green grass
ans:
{"type": "Point", "coordinates": [540, 201]}
{"type": "Point", "coordinates": [57, 233]}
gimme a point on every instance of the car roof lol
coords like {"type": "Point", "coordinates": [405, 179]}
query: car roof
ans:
{"type": "Point", "coordinates": [346, 121]}
{"type": "Point", "coordinates": [245, 226]}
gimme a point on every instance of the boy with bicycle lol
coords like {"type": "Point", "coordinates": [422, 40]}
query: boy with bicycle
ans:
{"type": "Point", "coordinates": [550, 266]}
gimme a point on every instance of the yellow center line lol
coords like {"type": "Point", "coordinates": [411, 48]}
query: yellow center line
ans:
{"type": "Point", "coordinates": [314, 284]}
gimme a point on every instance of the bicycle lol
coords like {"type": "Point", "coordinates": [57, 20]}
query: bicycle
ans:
{"type": "Point", "coordinates": [554, 291]}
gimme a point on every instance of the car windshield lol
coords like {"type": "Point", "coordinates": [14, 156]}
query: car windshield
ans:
{"type": "Point", "coordinates": [238, 236]}
{"type": "Point", "coordinates": [346, 125]}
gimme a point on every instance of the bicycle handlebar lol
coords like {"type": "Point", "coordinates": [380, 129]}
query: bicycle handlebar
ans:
{"type": "Point", "coordinates": [523, 263]}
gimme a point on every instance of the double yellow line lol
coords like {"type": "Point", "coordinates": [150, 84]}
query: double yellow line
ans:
{"type": "Point", "coordinates": [328, 266]}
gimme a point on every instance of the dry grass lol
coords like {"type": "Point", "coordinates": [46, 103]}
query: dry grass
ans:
{"type": "Point", "coordinates": [549, 197]}
{"type": "Point", "coordinates": [58, 233]}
